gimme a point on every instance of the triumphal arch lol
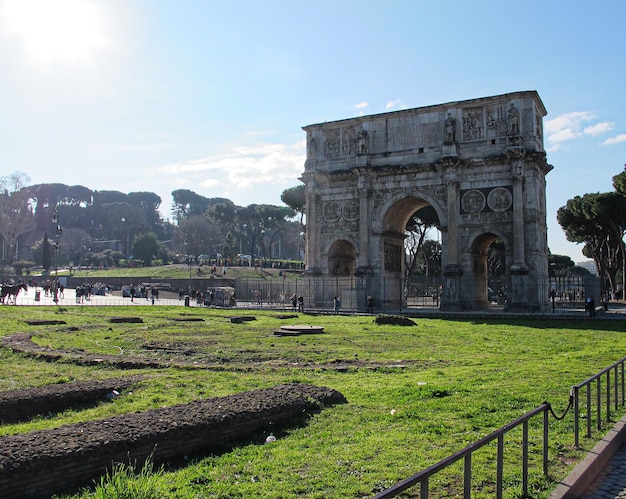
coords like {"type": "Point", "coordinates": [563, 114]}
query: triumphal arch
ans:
{"type": "Point", "coordinates": [479, 163]}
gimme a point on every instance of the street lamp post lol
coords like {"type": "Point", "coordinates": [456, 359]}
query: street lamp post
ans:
{"type": "Point", "coordinates": [127, 241]}
{"type": "Point", "coordinates": [59, 230]}
{"type": "Point", "coordinates": [188, 256]}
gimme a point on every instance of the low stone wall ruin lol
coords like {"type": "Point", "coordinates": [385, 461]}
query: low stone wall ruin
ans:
{"type": "Point", "coordinates": [24, 404]}
{"type": "Point", "coordinates": [41, 463]}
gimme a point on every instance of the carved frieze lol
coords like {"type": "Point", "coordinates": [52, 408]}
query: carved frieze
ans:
{"type": "Point", "coordinates": [486, 217]}
{"type": "Point", "coordinates": [473, 123]}
{"type": "Point", "coordinates": [383, 195]}
{"type": "Point", "coordinates": [332, 145]}
{"type": "Point", "coordinates": [393, 257]}
{"type": "Point", "coordinates": [348, 139]}
{"type": "Point", "coordinates": [496, 121]}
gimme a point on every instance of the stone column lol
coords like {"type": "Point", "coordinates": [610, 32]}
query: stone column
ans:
{"type": "Point", "coordinates": [363, 190]}
{"type": "Point", "coordinates": [452, 272]}
{"type": "Point", "coordinates": [311, 246]}
{"type": "Point", "coordinates": [518, 291]}
{"type": "Point", "coordinates": [452, 249]}
{"type": "Point", "coordinates": [519, 256]}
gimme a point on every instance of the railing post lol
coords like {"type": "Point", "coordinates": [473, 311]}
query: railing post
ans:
{"type": "Point", "coordinates": [424, 488]}
{"type": "Point", "coordinates": [599, 402]}
{"type": "Point", "coordinates": [588, 410]}
{"type": "Point", "coordinates": [500, 467]}
{"type": "Point", "coordinates": [623, 390]}
{"type": "Point", "coordinates": [545, 442]}
{"type": "Point", "coordinates": [467, 476]}
{"type": "Point", "coordinates": [576, 417]}
{"type": "Point", "coordinates": [615, 386]}
{"type": "Point", "coordinates": [608, 395]}
{"type": "Point", "coordinates": [525, 458]}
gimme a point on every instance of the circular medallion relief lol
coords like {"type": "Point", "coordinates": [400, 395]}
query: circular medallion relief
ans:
{"type": "Point", "coordinates": [499, 199]}
{"type": "Point", "coordinates": [332, 211]}
{"type": "Point", "coordinates": [473, 201]}
{"type": "Point", "coordinates": [351, 211]}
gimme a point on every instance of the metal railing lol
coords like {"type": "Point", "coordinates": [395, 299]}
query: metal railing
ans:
{"type": "Point", "coordinates": [422, 478]}
{"type": "Point", "coordinates": [610, 397]}
{"type": "Point", "coordinates": [587, 388]}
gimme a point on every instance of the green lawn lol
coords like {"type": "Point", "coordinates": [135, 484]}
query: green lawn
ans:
{"type": "Point", "coordinates": [416, 394]}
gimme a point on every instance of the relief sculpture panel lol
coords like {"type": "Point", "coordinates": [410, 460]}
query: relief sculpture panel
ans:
{"type": "Point", "coordinates": [348, 139]}
{"type": "Point", "coordinates": [351, 210]}
{"type": "Point", "coordinates": [332, 211]}
{"type": "Point", "coordinates": [497, 199]}
{"type": "Point", "coordinates": [331, 147]}
{"type": "Point", "coordinates": [393, 257]}
{"type": "Point", "coordinates": [473, 123]}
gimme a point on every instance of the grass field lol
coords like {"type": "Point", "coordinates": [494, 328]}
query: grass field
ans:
{"type": "Point", "coordinates": [416, 394]}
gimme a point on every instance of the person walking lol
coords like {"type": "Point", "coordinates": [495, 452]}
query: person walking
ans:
{"type": "Point", "coordinates": [370, 304]}
{"type": "Point", "coordinates": [336, 303]}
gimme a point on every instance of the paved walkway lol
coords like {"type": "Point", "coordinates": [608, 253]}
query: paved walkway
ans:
{"type": "Point", "coordinates": [611, 482]}
{"type": "Point", "coordinates": [69, 298]}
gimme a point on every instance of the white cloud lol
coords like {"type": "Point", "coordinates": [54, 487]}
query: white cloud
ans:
{"type": "Point", "coordinates": [618, 139]}
{"type": "Point", "coordinates": [261, 167]}
{"type": "Point", "coordinates": [211, 182]}
{"type": "Point", "coordinates": [599, 128]}
{"type": "Point", "coordinates": [395, 104]}
{"type": "Point", "coordinates": [571, 126]}
{"type": "Point", "coordinates": [361, 105]}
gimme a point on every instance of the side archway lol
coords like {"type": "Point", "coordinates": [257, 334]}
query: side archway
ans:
{"type": "Point", "coordinates": [479, 253]}
{"type": "Point", "coordinates": [342, 258]}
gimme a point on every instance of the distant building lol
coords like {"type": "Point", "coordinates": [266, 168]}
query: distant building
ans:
{"type": "Point", "coordinates": [590, 265]}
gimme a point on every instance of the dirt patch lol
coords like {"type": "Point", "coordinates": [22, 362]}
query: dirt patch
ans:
{"type": "Point", "coordinates": [240, 319]}
{"type": "Point", "coordinates": [394, 320]}
{"type": "Point", "coordinates": [287, 316]}
{"type": "Point", "coordinates": [48, 322]}
{"type": "Point", "coordinates": [22, 343]}
{"type": "Point", "coordinates": [131, 320]}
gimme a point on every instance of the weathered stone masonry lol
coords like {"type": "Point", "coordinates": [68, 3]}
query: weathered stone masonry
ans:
{"type": "Point", "coordinates": [479, 163]}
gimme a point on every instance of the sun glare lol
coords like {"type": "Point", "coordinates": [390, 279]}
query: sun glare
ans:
{"type": "Point", "coordinates": [62, 30]}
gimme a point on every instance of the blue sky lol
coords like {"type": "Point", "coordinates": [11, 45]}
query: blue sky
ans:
{"type": "Point", "coordinates": [155, 95]}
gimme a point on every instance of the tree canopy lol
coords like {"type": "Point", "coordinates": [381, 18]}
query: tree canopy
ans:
{"type": "Point", "coordinates": [598, 221]}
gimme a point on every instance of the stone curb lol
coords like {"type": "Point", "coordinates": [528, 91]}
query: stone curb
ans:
{"type": "Point", "coordinates": [575, 484]}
